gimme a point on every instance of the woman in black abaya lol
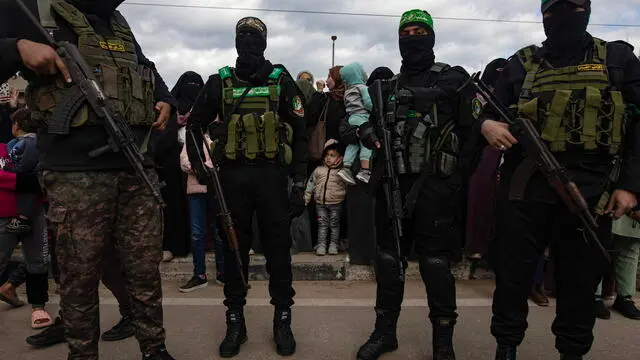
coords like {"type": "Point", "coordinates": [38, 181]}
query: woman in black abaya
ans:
{"type": "Point", "coordinates": [176, 240]}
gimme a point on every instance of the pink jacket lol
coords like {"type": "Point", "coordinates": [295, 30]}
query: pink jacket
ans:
{"type": "Point", "coordinates": [193, 186]}
{"type": "Point", "coordinates": [8, 198]}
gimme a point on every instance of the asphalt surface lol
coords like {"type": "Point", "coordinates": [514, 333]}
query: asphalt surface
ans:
{"type": "Point", "coordinates": [331, 320]}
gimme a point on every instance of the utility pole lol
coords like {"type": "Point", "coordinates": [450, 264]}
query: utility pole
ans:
{"type": "Point", "coordinates": [333, 51]}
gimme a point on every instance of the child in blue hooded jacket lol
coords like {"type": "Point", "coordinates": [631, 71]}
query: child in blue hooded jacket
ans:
{"type": "Point", "coordinates": [358, 105]}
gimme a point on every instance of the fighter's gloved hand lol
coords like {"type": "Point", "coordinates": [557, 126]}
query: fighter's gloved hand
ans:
{"type": "Point", "coordinates": [296, 199]}
{"type": "Point", "coordinates": [368, 137]}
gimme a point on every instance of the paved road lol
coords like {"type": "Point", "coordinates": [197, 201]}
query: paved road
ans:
{"type": "Point", "coordinates": [330, 321]}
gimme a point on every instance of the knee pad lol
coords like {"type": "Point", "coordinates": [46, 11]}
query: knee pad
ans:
{"type": "Point", "coordinates": [435, 266]}
{"type": "Point", "coordinates": [387, 268]}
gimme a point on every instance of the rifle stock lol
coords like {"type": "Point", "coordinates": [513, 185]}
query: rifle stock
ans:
{"type": "Point", "coordinates": [555, 173]}
{"type": "Point", "coordinates": [391, 184]}
{"type": "Point", "coordinates": [212, 178]}
{"type": "Point", "coordinates": [121, 138]}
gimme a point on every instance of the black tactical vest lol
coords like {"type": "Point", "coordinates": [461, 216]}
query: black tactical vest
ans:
{"type": "Point", "coordinates": [423, 137]}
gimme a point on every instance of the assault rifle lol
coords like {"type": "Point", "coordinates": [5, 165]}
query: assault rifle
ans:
{"type": "Point", "coordinates": [86, 90]}
{"type": "Point", "coordinates": [211, 178]}
{"type": "Point", "coordinates": [390, 183]}
{"type": "Point", "coordinates": [547, 164]}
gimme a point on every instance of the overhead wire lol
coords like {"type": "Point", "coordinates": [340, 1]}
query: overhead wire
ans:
{"type": "Point", "coordinates": [340, 13]}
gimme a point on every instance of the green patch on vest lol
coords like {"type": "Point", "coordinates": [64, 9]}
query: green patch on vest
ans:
{"type": "Point", "coordinates": [262, 91]}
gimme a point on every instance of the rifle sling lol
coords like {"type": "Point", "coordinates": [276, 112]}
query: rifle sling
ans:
{"type": "Point", "coordinates": [521, 178]}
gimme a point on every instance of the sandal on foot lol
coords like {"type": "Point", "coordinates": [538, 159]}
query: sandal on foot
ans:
{"type": "Point", "coordinates": [13, 301]}
{"type": "Point", "coordinates": [40, 319]}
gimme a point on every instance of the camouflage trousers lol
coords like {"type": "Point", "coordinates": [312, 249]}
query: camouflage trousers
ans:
{"type": "Point", "coordinates": [86, 209]}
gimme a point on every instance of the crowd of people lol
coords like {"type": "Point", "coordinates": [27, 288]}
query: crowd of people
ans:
{"type": "Point", "coordinates": [282, 148]}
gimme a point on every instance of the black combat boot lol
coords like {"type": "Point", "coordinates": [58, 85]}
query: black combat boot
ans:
{"type": "Point", "coordinates": [443, 339]}
{"type": "Point", "coordinates": [50, 336]}
{"type": "Point", "coordinates": [236, 334]}
{"type": "Point", "coordinates": [159, 354]}
{"type": "Point", "coordinates": [383, 339]}
{"type": "Point", "coordinates": [122, 330]}
{"type": "Point", "coordinates": [626, 307]}
{"type": "Point", "coordinates": [506, 352]}
{"type": "Point", "coordinates": [282, 334]}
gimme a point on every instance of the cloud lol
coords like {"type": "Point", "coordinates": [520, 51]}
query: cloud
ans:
{"type": "Point", "coordinates": [202, 40]}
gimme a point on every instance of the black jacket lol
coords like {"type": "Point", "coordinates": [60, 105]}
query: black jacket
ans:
{"type": "Point", "coordinates": [590, 171]}
{"type": "Point", "coordinates": [69, 153]}
{"type": "Point", "coordinates": [208, 108]}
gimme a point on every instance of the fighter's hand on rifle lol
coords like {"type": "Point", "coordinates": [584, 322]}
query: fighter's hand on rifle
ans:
{"type": "Point", "coordinates": [621, 203]}
{"type": "Point", "coordinates": [42, 59]}
{"type": "Point", "coordinates": [498, 135]}
{"type": "Point", "coordinates": [164, 113]}
{"type": "Point", "coordinates": [368, 136]}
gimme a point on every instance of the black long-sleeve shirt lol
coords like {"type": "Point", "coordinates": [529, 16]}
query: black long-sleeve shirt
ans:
{"type": "Point", "coordinates": [208, 107]}
{"type": "Point", "coordinates": [71, 152]}
{"type": "Point", "coordinates": [588, 171]}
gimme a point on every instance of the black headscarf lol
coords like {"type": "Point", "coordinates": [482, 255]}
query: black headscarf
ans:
{"type": "Point", "coordinates": [566, 32]}
{"type": "Point", "coordinates": [381, 73]}
{"type": "Point", "coordinates": [186, 90]}
{"type": "Point", "coordinates": [493, 70]}
{"type": "Point", "coordinates": [101, 8]}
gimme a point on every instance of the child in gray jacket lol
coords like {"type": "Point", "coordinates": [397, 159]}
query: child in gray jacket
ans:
{"type": "Point", "coordinates": [358, 105]}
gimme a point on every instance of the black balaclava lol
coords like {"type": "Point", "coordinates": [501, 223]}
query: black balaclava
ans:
{"type": "Point", "coordinates": [417, 52]}
{"type": "Point", "coordinates": [566, 30]}
{"type": "Point", "coordinates": [101, 8]}
{"type": "Point", "coordinates": [186, 90]}
{"type": "Point", "coordinates": [251, 42]}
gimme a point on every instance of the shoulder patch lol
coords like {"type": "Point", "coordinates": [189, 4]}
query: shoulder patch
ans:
{"type": "Point", "coordinates": [477, 105]}
{"type": "Point", "coordinates": [298, 109]}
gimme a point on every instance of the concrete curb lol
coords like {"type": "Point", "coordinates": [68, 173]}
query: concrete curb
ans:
{"type": "Point", "coordinates": [308, 267]}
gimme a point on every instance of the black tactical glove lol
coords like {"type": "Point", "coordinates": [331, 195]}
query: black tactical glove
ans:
{"type": "Point", "coordinates": [296, 200]}
{"type": "Point", "coordinates": [368, 137]}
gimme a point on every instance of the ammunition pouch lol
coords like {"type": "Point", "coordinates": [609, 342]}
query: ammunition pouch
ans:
{"type": "Point", "coordinates": [253, 129]}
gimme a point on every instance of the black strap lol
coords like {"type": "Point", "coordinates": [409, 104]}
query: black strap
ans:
{"type": "Point", "coordinates": [236, 106]}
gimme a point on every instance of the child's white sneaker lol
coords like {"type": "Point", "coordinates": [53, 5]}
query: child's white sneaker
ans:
{"type": "Point", "coordinates": [345, 174]}
{"type": "Point", "coordinates": [333, 248]}
{"type": "Point", "coordinates": [321, 250]}
{"type": "Point", "coordinates": [364, 175]}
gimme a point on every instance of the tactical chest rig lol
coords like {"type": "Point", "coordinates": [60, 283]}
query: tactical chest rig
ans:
{"type": "Point", "coordinates": [114, 61]}
{"type": "Point", "coordinates": [574, 107]}
{"type": "Point", "coordinates": [423, 138]}
{"type": "Point", "coordinates": [254, 130]}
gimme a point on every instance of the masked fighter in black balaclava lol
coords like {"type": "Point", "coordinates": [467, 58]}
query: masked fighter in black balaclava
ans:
{"type": "Point", "coordinates": [576, 89]}
{"type": "Point", "coordinates": [433, 106]}
{"type": "Point", "coordinates": [260, 143]}
{"type": "Point", "coordinates": [94, 200]}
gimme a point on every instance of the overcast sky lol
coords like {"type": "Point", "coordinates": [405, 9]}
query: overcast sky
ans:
{"type": "Point", "coordinates": [202, 40]}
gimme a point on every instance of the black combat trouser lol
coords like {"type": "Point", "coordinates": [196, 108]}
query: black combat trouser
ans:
{"type": "Point", "coordinates": [261, 188]}
{"type": "Point", "coordinates": [434, 233]}
{"type": "Point", "coordinates": [524, 229]}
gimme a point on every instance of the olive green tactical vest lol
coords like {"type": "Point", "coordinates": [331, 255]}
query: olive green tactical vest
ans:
{"type": "Point", "coordinates": [573, 106]}
{"type": "Point", "coordinates": [423, 139]}
{"type": "Point", "coordinates": [114, 61]}
{"type": "Point", "coordinates": [254, 130]}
